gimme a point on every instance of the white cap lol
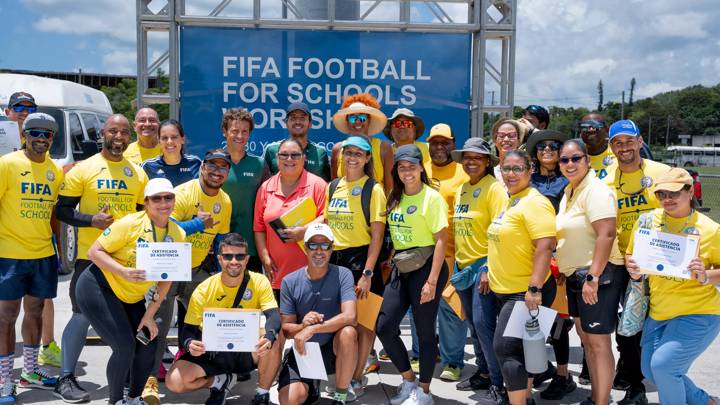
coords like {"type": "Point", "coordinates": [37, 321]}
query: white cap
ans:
{"type": "Point", "coordinates": [318, 228]}
{"type": "Point", "coordinates": [157, 186]}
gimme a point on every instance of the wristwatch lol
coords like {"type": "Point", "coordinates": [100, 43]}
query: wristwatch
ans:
{"type": "Point", "coordinates": [534, 290]}
{"type": "Point", "coordinates": [368, 273]}
{"type": "Point", "coordinates": [590, 278]}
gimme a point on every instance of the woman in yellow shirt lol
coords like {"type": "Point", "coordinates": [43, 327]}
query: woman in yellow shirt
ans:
{"type": "Point", "coordinates": [358, 234]}
{"type": "Point", "coordinates": [417, 217]}
{"type": "Point", "coordinates": [684, 316]}
{"type": "Point", "coordinates": [521, 240]}
{"type": "Point", "coordinates": [111, 293]}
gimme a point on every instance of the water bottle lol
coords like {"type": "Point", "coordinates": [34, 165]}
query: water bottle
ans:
{"type": "Point", "coordinates": [534, 347]}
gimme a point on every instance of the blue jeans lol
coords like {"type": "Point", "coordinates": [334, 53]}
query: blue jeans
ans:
{"type": "Point", "coordinates": [669, 349]}
{"type": "Point", "coordinates": [453, 334]}
{"type": "Point", "coordinates": [484, 309]}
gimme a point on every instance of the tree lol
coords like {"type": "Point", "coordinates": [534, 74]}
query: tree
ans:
{"type": "Point", "coordinates": [123, 95]}
{"type": "Point", "coordinates": [600, 95]}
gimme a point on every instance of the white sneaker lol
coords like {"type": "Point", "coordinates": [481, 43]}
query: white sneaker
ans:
{"type": "Point", "coordinates": [357, 388]}
{"type": "Point", "coordinates": [423, 398]}
{"type": "Point", "coordinates": [404, 390]}
{"type": "Point", "coordinates": [131, 401]}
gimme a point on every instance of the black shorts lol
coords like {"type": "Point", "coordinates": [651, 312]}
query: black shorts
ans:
{"type": "Point", "coordinates": [289, 372]}
{"type": "Point", "coordinates": [601, 318]}
{"type": "Point", "coordinates": [217, 363]}
{"type": "Point", "coordinates": [354, 259]}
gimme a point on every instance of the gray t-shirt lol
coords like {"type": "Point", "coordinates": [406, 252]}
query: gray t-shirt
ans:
{"type": "Point", "coordinates": [300, 295]}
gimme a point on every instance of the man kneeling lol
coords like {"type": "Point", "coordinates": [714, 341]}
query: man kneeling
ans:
{"type": "Point", "coordinates": [317, 304]}
{"type": "Point", "coordinates": [198, 368]}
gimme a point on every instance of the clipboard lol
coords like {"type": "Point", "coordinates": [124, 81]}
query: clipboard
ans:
{"type": "Point", "coordinates": [301, 214]}
{"type": "Point", "coordinates": [368, 310]}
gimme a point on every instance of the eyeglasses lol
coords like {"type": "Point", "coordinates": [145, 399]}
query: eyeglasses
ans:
{"type": "Point", "coordinates": [158, 198]}
{"type": "Point", "coordinates": [20, 108]}
{"type": "Point", "coordinates": [324, 246]}
{"type": "Point", "coordinates": [352, 154]}
{"type": "Point", "coordinates": [514, 169]}
{"type": "Point", "coordinates": [565, 160]}
{"type": "Point", "coordinates": [591, 124]}
{"type": "Point", "coordinates": [352, 119]}
{"type": "Point", "coordinates": [289, 156]}
{"type": "Point", "coordinates": [403, 124]}
{"type": "Point", "coordinates": [34, 133]}
{"type": "Point", "coordinates": [216, 168]}
{"type": "Point", "coordinates": [554, 146]}
{"type": "Point", "coordinates": [507, 135]}
{"type": "Point", "coordinates": [664, 195]}
{"type": "Point", "coordinates": [237, 256]}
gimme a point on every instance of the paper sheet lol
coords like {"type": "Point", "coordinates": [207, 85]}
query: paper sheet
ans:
{"type": "Point", "coordinates": [311, 364]}
{"type": "Point", "coordinates": [230, 329]}
{"type": "Point", "coordinates": [165, 261]}
{"type": "Point", "coordinates": [368, 310]}
{"type": "Point", "coordinates": [520, 314]}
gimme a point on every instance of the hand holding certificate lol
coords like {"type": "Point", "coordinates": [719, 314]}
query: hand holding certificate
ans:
{"type": "Point", "coordinates": [165, 261]}
{"type": "Point", "coordinates": [664, 254]}
{"type": "Point", "coordinates": [230, 329]}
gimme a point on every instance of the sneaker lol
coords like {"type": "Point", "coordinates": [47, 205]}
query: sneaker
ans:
{"type": "Point", "coordinates": [584, 377]}
{"type": "Point", "coordinates": [357, 388]}
{"type": "Point", "coordinates": [620, 383]}
{"type": "Point", "coordinates": [559, 387]}
{"type": "Point", "coordinates": [8, 394]}
{"type": "Point", "coordinates": [218, 395]}
{"type": "Point", "coordinates": [371, 364]}
{"type": "Point", "coordinates": [162, 372]}
{"type": "Point", "coordinates": [474, 383]}
{"type": "Point", "coordinates": [587, 401]}
{"type": "Point", "coordinates": [415, 364]}
{"type": "Point", "coordinates": [419, 397]}
{"type": "Point", "coordinates": [243, 377]}
{"type": "Point", "coordinates": [150, 394]}
{"type": "Point", "coordinates": [70, 391]}
{"type": "Point", "coordinates": [529, 401]}
{"type": "Point", "coordinates": [136, 401]}
{"type": "Point", "coordinates": [384, 357]}
{"type": "Point", "coordinates": [261, 399]}
{"type": "Point", "coordinates": [50, 356]}
{"type": "Point", "coordinates": [548, 374]}
{"type": "Point", "coordinates": [495, 396]}
{"type": "Point", "coordinates": [450, 373]}
{"type": "Point", "coordinates": [337, 402]}
{"type": "Point", "coordinates": [403, 392]}
{"type": "Point", "coordinates": [351, 395]}
{"type": "Point", "coordinates": [634, 396]}
{"type": "Point", "coordinates": [38, 379]}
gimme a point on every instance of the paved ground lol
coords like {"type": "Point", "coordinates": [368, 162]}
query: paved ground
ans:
{"type": "Point", "coordinates": [381, 385]}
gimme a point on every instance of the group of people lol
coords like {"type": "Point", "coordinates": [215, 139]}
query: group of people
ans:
{"type": "Point", "coordinates": [416, 223]}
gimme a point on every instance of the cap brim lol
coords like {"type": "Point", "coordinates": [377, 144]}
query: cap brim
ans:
{"type": "Point", "coordinates": [410, 159]}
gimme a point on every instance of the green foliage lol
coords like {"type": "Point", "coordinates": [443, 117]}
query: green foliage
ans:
{"type": "Point", "coordinates": [123, 97]}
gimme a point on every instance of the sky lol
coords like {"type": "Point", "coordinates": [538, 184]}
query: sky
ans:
{"type": "Point", "coordinates": [564, 47]}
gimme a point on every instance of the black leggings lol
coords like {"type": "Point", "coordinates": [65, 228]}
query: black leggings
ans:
{"type": "Point", "coordinates": [116, 322]}
{"type": "Point", "coordinates": [509, 350]}
{"type": "Point", "coordinates": [561, 345]}
{"type": "Point", "coordinates": [401, 293]}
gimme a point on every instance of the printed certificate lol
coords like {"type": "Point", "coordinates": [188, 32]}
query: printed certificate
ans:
{"type": "Point", "coordinates": [664, 254]}
{"type": "Point", "coordinates": [165, 261]}
{"type": "Point", "coordinates": [230, 329]}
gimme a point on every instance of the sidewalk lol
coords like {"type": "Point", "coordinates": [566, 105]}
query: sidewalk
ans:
{"type": "Point", "coordinates": [91, 374]}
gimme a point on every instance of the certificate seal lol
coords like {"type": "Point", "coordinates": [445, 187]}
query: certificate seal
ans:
{"type": "Point", "coordinates": [230, 346]}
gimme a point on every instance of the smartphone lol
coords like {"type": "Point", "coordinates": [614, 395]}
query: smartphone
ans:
{"type": "Point", "coordinates": [143, 336]}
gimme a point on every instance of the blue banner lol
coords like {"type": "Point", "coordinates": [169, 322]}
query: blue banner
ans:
{"type": "Point", "coordinates": [264, 70]}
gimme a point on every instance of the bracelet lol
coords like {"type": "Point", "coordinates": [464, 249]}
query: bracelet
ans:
{"type": "Point", "coordinates": [706, 281]}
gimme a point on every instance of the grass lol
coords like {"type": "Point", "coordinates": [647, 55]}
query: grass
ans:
{"type": "Point", "coordinates": [711, 194]}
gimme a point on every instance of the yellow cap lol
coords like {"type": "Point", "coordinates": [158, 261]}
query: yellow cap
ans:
{"type": "Point", "coordinates": [442, 130]}
{"type": "Point", "coordinates": [673, 180]}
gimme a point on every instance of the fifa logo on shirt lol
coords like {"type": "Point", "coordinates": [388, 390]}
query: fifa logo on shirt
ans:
{"type": "Point", "coordinates": [111, 184]}
{"type": "Point", "coordinates": [338, 203]}
{"type": "Point", "coordinates": [35, 188]}
{"type": "Point", "coordinates": [631, 201]}
{"type": "Point", "coordinates": [397, 217]}
{"type": "Point", "coordinates": [462, 208]}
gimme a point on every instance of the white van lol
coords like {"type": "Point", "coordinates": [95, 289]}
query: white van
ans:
{"type": "Point", "coordinates": [80, 112]}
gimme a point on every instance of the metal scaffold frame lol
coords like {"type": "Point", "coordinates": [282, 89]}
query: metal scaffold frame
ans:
{"type": "Point", "coordinates": [489, 22]}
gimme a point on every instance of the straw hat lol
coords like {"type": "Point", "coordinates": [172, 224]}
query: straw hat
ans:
{"type": "Point", "coordinates": [377, 118]}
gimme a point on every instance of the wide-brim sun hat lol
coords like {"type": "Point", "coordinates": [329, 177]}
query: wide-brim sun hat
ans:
{"type": "Point", "coordinates": [377, 118]}
{"type": "Point", "coordinates": [475, 145]}
{"type": "Point", "coordinates": [409, 114]}
{"type": "Point", "coordinates": [543, 135]}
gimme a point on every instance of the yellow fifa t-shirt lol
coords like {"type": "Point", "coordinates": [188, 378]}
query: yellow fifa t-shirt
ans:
{"type": "Point", "coordinates": [671, 297]}
{"type": "Point", "coordinates": [344, 213]}
{"type": "Point", "coordinates": [450, 178]}
{"type": "Point", "coordinates": [212, 293]}
{"type": "Point", "coordinates": [138, 154]}
{"type": "Point", "coordinates": [591, 201]}
{"type": "Point", "coordinates": [634, 195]}
{"type": "Point", "coordinates": [415, 220]}
{"type": "Point", "coordinates": [601, 162]}
{"type": "Point", "coordinates": [188, 199]}
{"type": "Point", "coordinates": [475, 207]}
{"type": "Point", "coordinates": [28, 193]}
{"type": "Point", "coordinates": [120, 241]}
{"type": "Point", "coordinates": [98, 181]}
{"type": "Point", "coordinates": [378, 169]}
{"type": "Point", "coordinates": [527, 216]}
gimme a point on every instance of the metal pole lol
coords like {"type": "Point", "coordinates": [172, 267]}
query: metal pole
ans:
{"type": "Point", "coordinates": [622, 106]}
{"type": "Point", "coordinates": [141, 55]}
{"type": "Point", "coordinates": [173, 74]}
{"type": "Point", "coordinates": [667, 132]}
{"type": "Point", "coordinates": [650, 131]}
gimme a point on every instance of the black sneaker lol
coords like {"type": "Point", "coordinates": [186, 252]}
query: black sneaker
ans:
{"type": "Point", "coordinates": [474, 383]}
{"type": "Point", "coordinates": [559, 387]}
{"type": "Point", "coordinates": [495, 396]}
{"type": "Point", "coordinates": [548, 374]}
{"type": "Point", "coordinates": [218, 395]}
{"type": "Point", "coordinates": [529, 401]}
{"type": "Point", "coordinates": [261, 399]}
{"type": "Point", "coordinates": [634, 396]}
{"type": "Point", "coordinates": [587, 401]}
{"type": "Point", "coordinates": [70, 391]}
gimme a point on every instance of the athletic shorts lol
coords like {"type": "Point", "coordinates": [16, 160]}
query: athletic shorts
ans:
{"type": "Point", "coordinates": [601, 318]}
{"type": "Point", "coordinates": [289, 371]}
{"type": "Point", "coordinates": [217, 363]}
{"type": "Point", "coordinates": [35, 277]}
{"type": "Point", "coordinates": [354, 259]}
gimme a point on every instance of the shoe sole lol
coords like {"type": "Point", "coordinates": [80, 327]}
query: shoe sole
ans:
{"type": "Point", "coordinates": [450, 379]}
{"type": "Point", "coordinates": [71, 401]}
{"type": "Point", "coordinates": [35, 386]}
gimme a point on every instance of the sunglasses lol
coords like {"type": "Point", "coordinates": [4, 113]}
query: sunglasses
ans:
{"type": "Point", "coordinates": [289, 156]}
{"type": "Point", "coordinates": [403, 124]}
{"type": "Point", "coordinates": [591, 124]}
{"type": "Point", "coordinates": [20, 108]}
{"type": "Point", "coordinates": [324, 246]}
{"type": "Point", "coordinates": [514, 169]}
{"type": "Point", "coordinates": [565, 160]}
{"type": "Point", "coordinates": [158, 198]}
{"type": "Point", "coordinates": [664, 195]}
{"type": "Point", "coordinates": [35, 133]}
{"type": "Point", "coordinates": [215, 168]}
{"type": "Point", "coordinates": [352, 119]}
{"type": "Point", "coordinates": [554, 146]}
{"type": "Point", "coordinates": [237, 256]}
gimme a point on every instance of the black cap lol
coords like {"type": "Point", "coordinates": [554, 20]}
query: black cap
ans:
{"type": "Point", "coordinates": [213, 154]}
{"type": "Point", "coordinates": [409, 153]}
{"type": "Point", "coordinates": [20, 96]}
{"type": "Point", "coordinates": [538, 112]}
